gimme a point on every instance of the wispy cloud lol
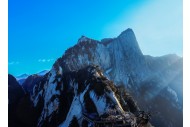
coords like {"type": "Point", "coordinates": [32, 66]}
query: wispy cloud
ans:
{"type": "Point", "coordinates": [45, 60]}
{"type": "Point", "coordinates": [13, 62]}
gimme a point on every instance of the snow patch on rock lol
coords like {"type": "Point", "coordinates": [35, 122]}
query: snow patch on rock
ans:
{"type": "Point", "coordinates": [49, 91]}
{"type": "Point", "coordinates": [76, 109]}
{"type": "Point", "coordinates": [100, 102]}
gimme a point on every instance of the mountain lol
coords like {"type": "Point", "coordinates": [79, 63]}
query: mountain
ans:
{"type": "Point", "coordinates": [67, 98]}
{"type": "Point", "coordinates": [21, 112]}
{"type": "Point", "coordinates": [76, 87]}
{"type": "Point", "coordinates": [42, 73]}
{"type": "Point", "coordinates": [15, 94]}
{"type": "Point", "coordinates": [145, 77]}
{"type": "Point", "coordinates": [30, 82]}
{"type": "Point", "coordinates": [21, 78]}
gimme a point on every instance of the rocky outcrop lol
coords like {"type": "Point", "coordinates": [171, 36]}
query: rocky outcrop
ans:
{"type": "Point", "coordinates": [66, 96]}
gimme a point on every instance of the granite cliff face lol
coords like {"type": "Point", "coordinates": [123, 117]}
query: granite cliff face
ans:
{"type": "Point", "coordinates": [118, 57]}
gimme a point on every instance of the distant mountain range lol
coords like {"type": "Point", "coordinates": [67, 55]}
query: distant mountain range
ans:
{"type": "Point", "coordinates": [21, 78]}
{"type": "Point", "coordinates": [79, 82]}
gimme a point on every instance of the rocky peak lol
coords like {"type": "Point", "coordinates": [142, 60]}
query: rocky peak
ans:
{"type": "Point", "coordinates": [84, 39]}
{"type": "Point", "coordinates": [118, 57]}
{"type": "Point", "coordinates": [129, 41]}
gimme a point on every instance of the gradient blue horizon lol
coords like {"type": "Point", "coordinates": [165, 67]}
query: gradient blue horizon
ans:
{"type": "Point", "coordinates": [39, 32]}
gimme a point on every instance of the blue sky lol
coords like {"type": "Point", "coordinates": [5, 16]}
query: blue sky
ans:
{"type": "Point", "coordinates": [40, 31]}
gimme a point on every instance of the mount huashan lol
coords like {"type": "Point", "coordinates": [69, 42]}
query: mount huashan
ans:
{"type": "Point", "coordinates": [102, 83]}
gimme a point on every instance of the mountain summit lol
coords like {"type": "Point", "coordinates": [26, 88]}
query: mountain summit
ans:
{"type": "Point", "coordinates": [128, 37]}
